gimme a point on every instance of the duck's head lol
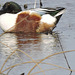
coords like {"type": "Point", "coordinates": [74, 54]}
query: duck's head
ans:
{"type": "Point", "coordinates": [10, 7]}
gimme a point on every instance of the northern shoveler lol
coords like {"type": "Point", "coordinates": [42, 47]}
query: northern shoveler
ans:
{"type": "Point", "coordinates": [33, 20]}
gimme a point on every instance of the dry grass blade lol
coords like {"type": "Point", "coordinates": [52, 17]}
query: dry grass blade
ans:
{"type": "Point", "coordinates": [2, 34]}
{"type": "Point", "coordinates": [15, 24]}
{"type": "Point", "coordinates": [44, 70]}
{"type": "Point", "coordinates": [48, 57]}
{"type": "Point", "coordinates": [6, 45]}
{"type": "Point", "coordinates": [7, 59]}
{"type": "Point", "coordinates": [32, 60]}
{"type": "Point", "coordinates": [18, 65]}
{"type": "Point", "coordinates": [31, 3]}
{"type": "Point", "coordinates": [23, 53]}
{"type": "Point", "coordinates": [58, 66]}
{"type": "Point", "coordinates": [9, 56]}
{"type": "Point", "coordinates": [52, 68]}
{"type": "Point", "coordinates": [37, 62]}
{"type": "Point", "coordinates": [11, 49]}
{"type": "Point", "coordinates": [40, 63]}
{"type": "Point", "coordinates": [35, 4]}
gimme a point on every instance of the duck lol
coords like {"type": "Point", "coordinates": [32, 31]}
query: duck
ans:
{"type": "Point", "coordinates": [38, 20]}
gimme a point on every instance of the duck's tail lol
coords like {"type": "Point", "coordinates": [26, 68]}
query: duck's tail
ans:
{"type": "Point", "coordinates": [58, 13]}
{"type": "Point", "coordinates": [55, 12]}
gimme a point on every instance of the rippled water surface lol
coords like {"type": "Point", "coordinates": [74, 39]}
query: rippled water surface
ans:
{"type": "Point", "coordinates": [39, 46]}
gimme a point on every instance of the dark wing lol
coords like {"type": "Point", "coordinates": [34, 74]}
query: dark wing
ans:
{"type": "Point", "coordinates": [51, 11]}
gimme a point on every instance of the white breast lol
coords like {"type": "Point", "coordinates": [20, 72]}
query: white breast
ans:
{"type": "Point", "coordinates": [7, 21]}
{"type": "Point", "coordinates": [48, 19]}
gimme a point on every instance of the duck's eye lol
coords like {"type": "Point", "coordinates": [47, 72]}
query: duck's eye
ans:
{"type": "Point", "coordinates": [8, 4]}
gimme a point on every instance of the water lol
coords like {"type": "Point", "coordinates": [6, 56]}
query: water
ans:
{"type": "Point", "coordinates": [39, 46]}
{"type": "Point", "coordinates": [36, 45]}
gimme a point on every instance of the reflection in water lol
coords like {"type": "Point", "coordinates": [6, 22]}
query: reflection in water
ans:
{"type": "Point", "coordinates": [10, 40]}
{"type": "Point", "coordinates": [37, 46]}
{"type": "Point", "coordinates": [30, 43]}
{"type": "Point", "coordinates": [33, 44]}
